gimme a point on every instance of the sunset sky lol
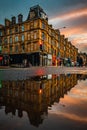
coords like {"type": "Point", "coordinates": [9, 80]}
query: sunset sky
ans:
{"type": "Point", "coordinates": [71, 14]}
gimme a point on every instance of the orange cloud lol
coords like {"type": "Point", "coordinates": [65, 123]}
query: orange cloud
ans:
{"type": "Point", "coordinates": [69, 15]}
{"type": "Point", "coordinates": [76, 26]}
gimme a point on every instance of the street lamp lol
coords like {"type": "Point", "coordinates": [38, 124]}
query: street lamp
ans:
{"type": "Point", "coordinates": [62, 27]}
{"type": "Point", "coordinates": [58, 30]}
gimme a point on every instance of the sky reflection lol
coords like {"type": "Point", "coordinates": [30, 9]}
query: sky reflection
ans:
{"type": "Point", "coordinates": [73, 106]}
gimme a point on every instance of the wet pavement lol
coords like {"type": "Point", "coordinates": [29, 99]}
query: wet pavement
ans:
{"type": "Point", "coordinates": [23, 73]}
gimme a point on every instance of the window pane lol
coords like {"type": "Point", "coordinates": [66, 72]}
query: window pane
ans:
{"type": "Point", "coordinates": [10, 31]}
{"type": "Point", "coordinates": [31, 35]}
{"type": "Point", "coordinates": [31, 25]}
{"type": "Point", "coordinates": [10, 40]}
{"type": "Point", "coordinates": [43, 36]}
{"type": "Point", "coordinates": [22, 28]}
{"type": "Point", "coordinates": [5, 40]}
{"type": "Point", "coordinates": [0, 33]}
{"type": "Point", "coordinates": [28, 36]}
{"type": "Point", "coordinates": [43, 26]}
{"type": "Point", "coordinates": [35, 24]}
{"type": "Point", "coordinates": [22, 38]}
{"type": "Point", "coordinates": [10, 48]}
{"type": "Point", "coordinates": [35, 35]}
{"type": "Point", "coordinates": [23, 48]}
{"type": "Point", "coordinates": [16, 48]}
{"type": "Point", "coordinates": [16, 29]}
{"type": "Point", "coordinates": [16, 38]}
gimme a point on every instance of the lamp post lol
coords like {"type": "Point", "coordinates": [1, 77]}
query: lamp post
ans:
{"type": "Point", "coordinates": [61, 27]}
{"type": "Point", "coordinates": [58, 29]}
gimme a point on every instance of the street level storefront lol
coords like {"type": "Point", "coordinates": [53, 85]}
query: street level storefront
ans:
{"type": "Point", "coordinates": [31, 59]}
{"type": "Point", "coordinates": [4, 60]}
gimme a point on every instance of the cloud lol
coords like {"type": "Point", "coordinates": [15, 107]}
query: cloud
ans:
{"type": "Point", "coordinates": [76, 24]}
{"type": "Point", "coordinates": [69, 15]}
{"type": "Point", "coordinates": [82, 47]}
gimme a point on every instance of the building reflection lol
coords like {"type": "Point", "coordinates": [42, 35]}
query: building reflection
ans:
{"type": "Point", "coordinates": [34, 95]}
{"type": "Point", "coordinates": [81, 77]}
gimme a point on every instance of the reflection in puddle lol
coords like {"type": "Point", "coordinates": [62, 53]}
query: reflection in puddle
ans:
{"type": "Point", "coordinates": [36, 96]}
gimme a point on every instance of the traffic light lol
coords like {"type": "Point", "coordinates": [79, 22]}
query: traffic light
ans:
{"type": "Point", "coordinates": [41, 46]}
